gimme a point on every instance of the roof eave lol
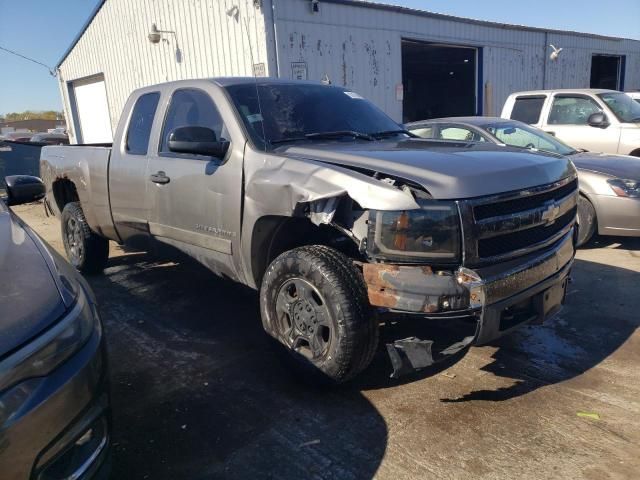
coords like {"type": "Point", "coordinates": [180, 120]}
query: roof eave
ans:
{"type": "Point", "coordinates": [80, 33]}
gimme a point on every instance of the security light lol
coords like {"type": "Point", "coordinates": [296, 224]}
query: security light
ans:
{"type": "Point", "coordinates": [154, 35]}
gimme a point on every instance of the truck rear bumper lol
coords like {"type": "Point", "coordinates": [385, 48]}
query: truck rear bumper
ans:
{"type": "Point", "coordinates": [498, 298]}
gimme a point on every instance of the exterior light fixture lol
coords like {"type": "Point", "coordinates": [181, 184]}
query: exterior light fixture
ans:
{"type": "Point", "coordinates": [155, 37]}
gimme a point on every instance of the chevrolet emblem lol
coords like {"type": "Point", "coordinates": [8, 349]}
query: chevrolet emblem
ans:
{"type": "Point", "coordinates": [550, 214]}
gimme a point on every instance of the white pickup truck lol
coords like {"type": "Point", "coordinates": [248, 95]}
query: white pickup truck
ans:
{"type": "Point", "coordinates": [589, 119]}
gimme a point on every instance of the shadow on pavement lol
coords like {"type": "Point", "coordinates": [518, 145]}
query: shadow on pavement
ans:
{"type": "Point", "coordinates": [198, 391]}
{"type": "Point", "coordinates": [584, 334]}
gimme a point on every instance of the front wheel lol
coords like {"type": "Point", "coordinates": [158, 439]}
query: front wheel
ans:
{"type": "Point", "coordinates": [86, 251]}
{"type": "Point", "coordinates": [314, 302]}
{"type": "Point", "coordinates": [586, 221]}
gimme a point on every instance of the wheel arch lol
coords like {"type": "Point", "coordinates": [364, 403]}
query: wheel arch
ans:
{"type": "Point", "coordinates": [274, 234]}
{"type": "Point", "coordinates": [64, 191]}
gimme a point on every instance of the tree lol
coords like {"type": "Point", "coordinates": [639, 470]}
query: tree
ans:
{"type": "Point", "coordinates": [34, 115]}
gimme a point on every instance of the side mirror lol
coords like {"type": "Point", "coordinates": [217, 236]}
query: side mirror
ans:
{"type": "Point", "coordinates": [197, 141]}
{"type": "Point", "coordinates": [24, 189]}
{"type": "Point", "coordinates": [598, 120]}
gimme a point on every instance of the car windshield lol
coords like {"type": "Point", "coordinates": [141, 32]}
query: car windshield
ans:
{"type": "Point", "coordinates": [306, 112]}
{"type": "Point", "coordinates": [524, 136]}
{"type": "Point", "coordinates": [622, 106]}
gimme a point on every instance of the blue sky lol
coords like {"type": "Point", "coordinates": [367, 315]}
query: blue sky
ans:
{"type": "Point", "coordinates": [43, 29]}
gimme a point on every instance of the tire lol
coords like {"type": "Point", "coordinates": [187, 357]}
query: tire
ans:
{"type": "Point", "coordinates": [586, 220]}
{"type": "Point", "coordinates": [314, 302]}
{"type": "Point", "coordinates": [85, 250]}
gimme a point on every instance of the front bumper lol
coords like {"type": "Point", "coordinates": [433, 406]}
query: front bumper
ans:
{"type": "Point", "coordinates": [498, 298]}
{"type": "Point", "coordinates": [617, 215]}
{"type": "Point", "coordinates": [43, 419]}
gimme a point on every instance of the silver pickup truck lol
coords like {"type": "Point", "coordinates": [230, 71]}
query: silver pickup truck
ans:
{"type": "Point", "coordinates": [339, 217]}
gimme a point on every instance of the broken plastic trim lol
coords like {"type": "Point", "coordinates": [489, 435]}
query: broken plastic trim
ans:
{"type": "Point", "coordinates": [412, 354]}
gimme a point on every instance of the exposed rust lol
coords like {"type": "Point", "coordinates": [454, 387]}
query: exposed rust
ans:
{"type": "Point", "coordinates": [382, 284]}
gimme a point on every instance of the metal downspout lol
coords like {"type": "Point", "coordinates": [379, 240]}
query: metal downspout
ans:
{"type": "Point", "coordinates": [275, 38]}
{"type": "Point", "coordinates": [544, 60]}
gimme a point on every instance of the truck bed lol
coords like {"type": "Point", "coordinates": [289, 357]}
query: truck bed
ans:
{"type": "Point", "coordinates": [80, 171]}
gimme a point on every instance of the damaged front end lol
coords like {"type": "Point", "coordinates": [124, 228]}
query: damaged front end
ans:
{"type": "Point", "coordinates": [426, 263]}
{"type": "Point", "coordinates": [479, 305]}
{"type": "Point", "coordinates": [453, 285]}
{"type": "Point", "coordinates": [480, 266]}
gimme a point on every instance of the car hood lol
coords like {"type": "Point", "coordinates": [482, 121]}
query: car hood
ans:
{"type": "Point", "coordinates": [30, 299]}
{"type": "Point", "coordinates": [620, 166]}
{"type": "Point", "coordinates": [447, 170]}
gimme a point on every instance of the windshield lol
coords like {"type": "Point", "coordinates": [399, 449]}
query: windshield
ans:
{"type": "Point", "coordinates": [524, 136]}
{"type": "Point", "coordinates": [622, 106]}
{"type": "Point", "coordinates": [291, 112]}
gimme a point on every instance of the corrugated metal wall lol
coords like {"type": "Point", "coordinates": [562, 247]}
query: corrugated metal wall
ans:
{"type": "Point", "coordinates": [207, 43]}
{"type": "Point", "coordinates": [360, 48]}
{"type": "Point", "coordinates": [354, 46]}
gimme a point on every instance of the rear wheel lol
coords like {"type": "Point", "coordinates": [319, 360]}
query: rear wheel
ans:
{"type": "Point", "coordinates": [85, 250]}
{"type": "Point", "coordinates": [313, 301]}
{"type": "Point", "coordinates": [586, 220]}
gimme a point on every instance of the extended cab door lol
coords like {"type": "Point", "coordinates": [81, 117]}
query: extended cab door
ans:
{"type": "Point", "coordinates": [568, 117]}
{"type": "Point", "coordinates": [128, 168]}
{"type": "Point", "coordinates": [195, 200]}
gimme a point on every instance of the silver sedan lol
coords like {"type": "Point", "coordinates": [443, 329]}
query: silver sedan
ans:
{"type": "Point", "coordinates": [609, 184]}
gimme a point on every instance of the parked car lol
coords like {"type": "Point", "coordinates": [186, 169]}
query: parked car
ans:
{"type": "Point", "coordinates": [609, 200]}
{"type": "Point", "coordinates": [596, 120]}
{"type": "Point", "coordinates": [635, 95]}
{"type": "Point", "coordinates": [315, 197]}
{"type": "Point", "coordinates": [50, 138]}
{"type": "Point", "coordinates": [54, 402]}
{"type": "Point", "coordinates": [17, 136]}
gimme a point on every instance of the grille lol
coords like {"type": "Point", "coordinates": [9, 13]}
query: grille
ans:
{"type": "Point", "coordinates": [509, 227]}
{"type": "Point", "coordinates": [482, 212]}
{"type": "Point", "coordinates": [503, 244]}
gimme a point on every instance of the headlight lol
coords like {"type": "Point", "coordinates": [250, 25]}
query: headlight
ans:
{"type": "Point", "coordinates": [50, 349]}
{"type": "Point", "coordinates": [624, 187]}
{"type": "Point", "coordinates": [431, 232]}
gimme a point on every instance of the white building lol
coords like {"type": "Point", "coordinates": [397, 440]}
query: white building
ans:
{"type": "Point", "coordinates": [413, 64]}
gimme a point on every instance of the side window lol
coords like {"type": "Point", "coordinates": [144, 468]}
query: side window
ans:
{"type": "Point", "coordinates": [572, 110]}
{"type": "Point", "coordinates": [527, 109]}
{"type": "Point", "coordinates": [191, 108]}
{"type": "Point", "coordinates": [423, 132]}
{"type": "Point", "coordinates": [516, 137]}
{"type": "Point", "coordinates": [140, 124]}
{"type": "Point", "coordinates": [459, 133]}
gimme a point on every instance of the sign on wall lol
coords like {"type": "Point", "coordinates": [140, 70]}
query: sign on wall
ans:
{"type": "Point", "coordinates": [259, 70]}
{"type": "Point", "coordinates": [299, 70]}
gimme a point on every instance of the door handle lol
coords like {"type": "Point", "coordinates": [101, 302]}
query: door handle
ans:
{"type": "Point", "coordinates": [160, 178]}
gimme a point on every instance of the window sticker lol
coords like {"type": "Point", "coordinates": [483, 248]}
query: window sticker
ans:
{"type": "Point", "coordinates": [256, 117]}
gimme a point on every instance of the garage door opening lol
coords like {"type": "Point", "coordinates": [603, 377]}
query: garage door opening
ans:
{"type": "Point", "coordinates": [90, 110]}
{"type": "Point", "coordinates": [607, 71]}
{"type": "Point", "coordinates": [439, 81]}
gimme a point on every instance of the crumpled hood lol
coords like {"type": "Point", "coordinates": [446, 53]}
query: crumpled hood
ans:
{"type": "Point", "coordinates": [620, 166]}
{"type": "Point", "coordinates": [447, 170]}
{"type": "Point", "coordinates": [29, 297]}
